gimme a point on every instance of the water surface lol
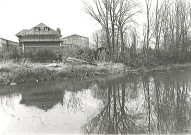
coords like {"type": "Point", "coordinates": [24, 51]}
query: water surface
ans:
{"type": "Point", "coordinates": [142, 103]}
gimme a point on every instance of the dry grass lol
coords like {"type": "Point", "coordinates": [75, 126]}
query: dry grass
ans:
{"type": "Point", "coordinates": [8, 65]}
{"type": "Point", "coordinates": [25, 71]}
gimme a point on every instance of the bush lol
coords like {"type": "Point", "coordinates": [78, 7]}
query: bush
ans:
{"type": "Point", "coordinates": [78, 52]}
{"type": "Point", "coordinates": [172, 57]}
{"type": "Point", "coordinates": [85, 54]}
{"type": "Point", "coordinates": [11, 54]}
{"type": "Point", "coordinates": [163, 57]}
{"type": "Point", "coordinates": [42, 56]}
{"type": "Point", "coordinates": [140, 59]}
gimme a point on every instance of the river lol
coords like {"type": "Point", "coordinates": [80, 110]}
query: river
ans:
{"type": "Point", "coordinates": [148, 103]}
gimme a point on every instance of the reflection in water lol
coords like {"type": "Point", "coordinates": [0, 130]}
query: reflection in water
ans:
{"type": "Point", "coordinates": [171, 103]}
{"type": "Point", "coordinates": [147, 103]}
{"type": "Point", "coordinates": [42, 100]}
{"type": "Point", "coordinates": [115, 117]}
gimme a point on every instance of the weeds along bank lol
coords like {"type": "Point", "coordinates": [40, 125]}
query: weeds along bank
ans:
{"type": "Point", "coordinates": [47, 55]}
{"type": "Point", "coordinates": [140, 59]}
{"type": "Point", "coordinates": [33, 67]}
{"type": "Point", "coordinates": [11, 72]}
{"type": "Point", "coordinates": [26, 72]}
{"type": "Point", "coordinates": [36, 66]}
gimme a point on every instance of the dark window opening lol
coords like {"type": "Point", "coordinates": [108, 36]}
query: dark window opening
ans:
{"type": "Point", "coordinates": [46, 28]}
{"type": "Point", "coordinates": [37, 29]}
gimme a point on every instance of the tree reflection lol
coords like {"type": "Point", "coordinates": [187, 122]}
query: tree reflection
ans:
{"type": "Point", "coordinates": [114, 117]}
{"type": "Point", "coordinates": [171, 103]}
{"type": "Point", "coordinates": [151, 103]}
{"type": "Point", "coordinates": [146, 88]}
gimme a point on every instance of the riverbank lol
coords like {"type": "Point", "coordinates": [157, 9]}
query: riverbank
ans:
{"type": "Point", "coordinates": [172, 67]}
{"type": "Point", "coordinates": [16, 73]}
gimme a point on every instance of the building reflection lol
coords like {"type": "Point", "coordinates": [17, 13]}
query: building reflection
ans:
{"type": "Point", "coordinates": [45, 96]}
{"type": "Point", "coordinates": [43, 100]}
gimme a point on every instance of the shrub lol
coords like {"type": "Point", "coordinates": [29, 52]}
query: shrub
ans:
{"type": "Point", "coordinates": [7, 65]}
{"type": "Point", "coordinates": [12, 53]}
{"type": "Point", "coordinates": [42, 56]}
{"type": "Point", "coordinates": [172, 57]}
{"type": "Point", "coordinates": [85, 54]}
{"type": "Point", "coordinates": [78, 52]}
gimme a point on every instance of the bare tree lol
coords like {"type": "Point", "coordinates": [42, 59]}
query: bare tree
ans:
{"type": "Point", "coordinates": [148, 12]}
{"type": "Point", "coordinates": [165, 28]}
{"type": "Point", "coordinates": [113, 4]}
{"type": "Point", "coordinates": [100, 12]}
{"type": "Point", "coordinates": [157, 28]}
{"type": "Point", "coordinates": [115, 16]}
{"type": "Point", "coordinates": [127, 9]}
{"type": "Point", "coordinates": [95, 37]}
{"type": "Point", "coordinates": [134, 41]}
{"type": "Point", "coordinates": [173, 25]}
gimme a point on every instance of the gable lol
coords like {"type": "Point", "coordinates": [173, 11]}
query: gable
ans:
{"type": "Point", "coordinates": [41, 29]}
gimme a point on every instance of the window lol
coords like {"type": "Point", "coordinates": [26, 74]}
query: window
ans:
{"type": "Point", "coordinates": [46, 28]}
{"type": "Point", "coordinates": [37, 29]}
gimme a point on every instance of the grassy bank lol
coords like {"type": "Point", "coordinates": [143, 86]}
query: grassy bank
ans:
{"type": "Point", "coordinates": [169, 67]}
{"type": "Point", "coordinates": [11, 72]}
{"type": "Point", "coordinates": [27, 72]}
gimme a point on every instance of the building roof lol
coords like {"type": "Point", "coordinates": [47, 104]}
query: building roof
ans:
{"type": "Point", "coordinates": [38, 38]}
{"type": "Point", "coordinates": [41, 31]}
{"type": "Point", "coordinates": [40, 35]}
{"type": "Point", "coordinates": [9, 41]}
{"type": "Point", "coordinates": [75, 35]}
{"type": "Point", "coordinates": [21, 33]}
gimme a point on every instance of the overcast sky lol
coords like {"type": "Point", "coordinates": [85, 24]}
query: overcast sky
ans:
{"type": "Point", "coordinates": [16, 15]}
{"type": "Point", "coordinates": [67, 15]}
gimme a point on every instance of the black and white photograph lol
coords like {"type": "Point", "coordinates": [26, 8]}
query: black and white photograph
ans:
{"type": "Point", "coordinates": [95, 67]}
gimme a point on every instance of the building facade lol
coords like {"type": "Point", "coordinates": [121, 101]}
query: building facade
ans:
{"type": "Point", "coordinates": [7, 45]}
{"type": "Point", "coordinates": [39, 37]}
{"type": "Point", "coordinates": [75, 40]}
